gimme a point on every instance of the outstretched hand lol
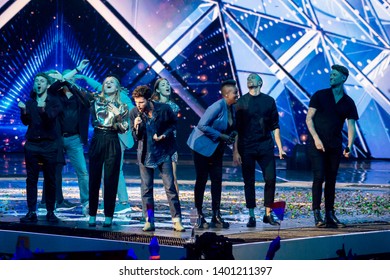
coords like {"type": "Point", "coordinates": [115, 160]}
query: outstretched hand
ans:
{"type": "Point", "coordinates": [82, 65]}
{"type": "Point", "coordinates": [57, 75]}
{"type": "Point", "coordinates": [21, 105]}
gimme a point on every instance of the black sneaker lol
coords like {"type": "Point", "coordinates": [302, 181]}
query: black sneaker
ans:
{"type": "Point", "coordinates": [251, 222]}
{"type": "Point", "coordinates": [51, 217]}
{"type": "Point", "coordinates": [31, 217]}
{"type": "Point", "coordinates": [65, 205]}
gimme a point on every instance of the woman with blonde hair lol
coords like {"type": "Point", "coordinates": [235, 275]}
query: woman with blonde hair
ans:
{"type": "Point", "coordinates": [109, 117]}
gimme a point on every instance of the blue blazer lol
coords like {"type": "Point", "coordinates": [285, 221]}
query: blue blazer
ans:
{"type": "Point", "coordinates": [204, 139]}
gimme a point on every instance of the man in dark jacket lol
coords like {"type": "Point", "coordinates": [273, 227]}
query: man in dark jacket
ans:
{"type": "Point", "coordinates": [74, 122]}
{"type": "Point", "coordinates": [40, 115]}
{"type": "Point", "coordinates": [153, 126]}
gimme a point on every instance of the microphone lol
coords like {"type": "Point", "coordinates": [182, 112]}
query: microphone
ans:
{"type": "Point", "coordinates": [232, 138]}
{"type": "Point", "coordinates": [138, 116]}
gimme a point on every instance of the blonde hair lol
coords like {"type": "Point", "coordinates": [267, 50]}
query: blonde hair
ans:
{"type": "Point", "coordinates": [117, 94]}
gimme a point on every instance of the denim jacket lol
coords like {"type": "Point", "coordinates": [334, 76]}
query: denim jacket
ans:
{"type": "Point", "coordinates": [164, 122]}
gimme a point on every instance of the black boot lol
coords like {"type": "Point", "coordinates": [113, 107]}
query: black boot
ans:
{"type": "Point", "coordinates": [51, 217]}
{"type": "Point", "coordinates": [201, 222]}
{"type": "Point", "coordinates": [331, 221]}
{"type": "Point", "coordinates": [269, 219]}
{"type": "Point", "coordinates": [31, 217]}
{"type": "Point", "coordinates": [251, 222]}
{"type": "Point", "coordinates": [217, 221]}
{"type": "Point", "coordinates": [318, 221]}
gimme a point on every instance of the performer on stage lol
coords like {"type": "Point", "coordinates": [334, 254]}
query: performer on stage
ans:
{"type": "Point", "coordinates": [257, 120]}
{"type": "Point", "coordinates": [328, 110]}
{"type": "Point", "coordinates": [74, 121]}
{"type": "Point", "coordinates": [162, 93]}
{"type": "Point", "coordinates": [126, 141]}
{"type": "Point", "coordinates": [208, 140]}
{"type": "Point", "coordinates": [153, 126]}
{"type": "Point", "coordinates": [109, 117]}
{"type": "Point", "coordinates": [40, 114]}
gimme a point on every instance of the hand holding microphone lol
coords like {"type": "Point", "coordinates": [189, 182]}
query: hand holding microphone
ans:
{"type": "Point", "coordinates": [137, 121]}
{"type": "Point", "coordinates": [346, 152]}
{"type": "Point", "coordinates": [232, 138]}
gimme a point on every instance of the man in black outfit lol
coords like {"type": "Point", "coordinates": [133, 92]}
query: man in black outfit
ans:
{"type": "Point", "coordinates": [257, 119]}
{"type": "Point", "coordinates": [74, 122]}
{"type": "Point", "coordinates": [41, 148]}
{"type": "Point", "coordinates": [328, 109]}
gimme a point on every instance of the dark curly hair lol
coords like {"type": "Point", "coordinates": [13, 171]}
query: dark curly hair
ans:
{"type": "Point", "coordinates": [142, 91]}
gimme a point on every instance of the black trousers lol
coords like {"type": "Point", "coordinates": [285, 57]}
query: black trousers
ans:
{"type": "Point", "coordinates": [59, 193]}
{"type": "Point", "coordinates": [266, 160]}
{"type": "Point", "coordinates": [104, 151]}
{"type": "Point", "coordinates": [205, 166]}
{"type": "Point", "coordinates": [325, 166]}
{"type": "Point", "coordinates": [41, 155]}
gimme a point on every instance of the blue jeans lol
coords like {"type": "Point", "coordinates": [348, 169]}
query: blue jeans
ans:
{"type": "Point", "coordinates": [74, 149]}
{"type": "Point", "coordinates": [147, 176]}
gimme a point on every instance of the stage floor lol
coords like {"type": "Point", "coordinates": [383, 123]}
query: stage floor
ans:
{"type": "Point", "coordinates": [362, 202]}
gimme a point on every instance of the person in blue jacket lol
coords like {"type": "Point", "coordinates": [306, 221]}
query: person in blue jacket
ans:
{"type": "Point", "coordinates": [208, 140]}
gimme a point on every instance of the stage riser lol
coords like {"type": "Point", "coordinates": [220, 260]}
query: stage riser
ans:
{"type": "Point", "coordinates": [323, 247]}
{"type": "Point", "coordinates": [320, 247]}
{"type": "Point", "coordinates": [58, 243]}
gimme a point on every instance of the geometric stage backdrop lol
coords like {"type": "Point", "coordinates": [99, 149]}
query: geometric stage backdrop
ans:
{"type": "Point", "coordinates": [198, 44]}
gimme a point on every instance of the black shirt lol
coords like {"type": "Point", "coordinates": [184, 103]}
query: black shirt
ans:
{"type": "Point", "coordinates": [70, 117]}
{"type": "Point", "coordinates": [42, 123]}
{"type": "Point", "coordinates": [257, 117]}
{"type": "Point", "coordinates": [330, 116]}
